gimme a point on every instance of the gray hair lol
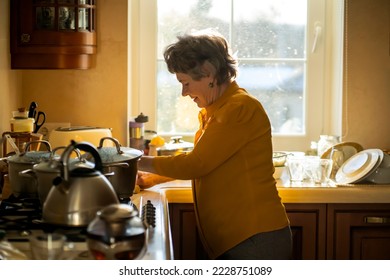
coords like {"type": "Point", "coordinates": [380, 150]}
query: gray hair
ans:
{"type": "Point", "coordinates": [193, 51]}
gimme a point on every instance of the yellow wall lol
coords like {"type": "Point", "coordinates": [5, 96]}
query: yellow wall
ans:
{"type": "Point", "coordinates": [96, 97]}
{"type": "Point", "coordinates": [10, 95]}
{"type": "Point", "coordinates": [366, 110]}
{"type": "Point", "coordinates": [99, 96]}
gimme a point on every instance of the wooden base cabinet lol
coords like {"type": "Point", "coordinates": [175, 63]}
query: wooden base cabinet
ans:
{"type": "Point", "coordinates": [185, 238]}
{"type": "Point", "coordinates": [320, 231]}
{"type": "Point", "coordinates": [307, 225]}
{"type": "Point", "coordinates": [358, 231]}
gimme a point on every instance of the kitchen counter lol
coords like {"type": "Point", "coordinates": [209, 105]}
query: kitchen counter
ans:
{"type": "Point", "coordinates": [180, 192]}
{"type": "Point", "coordinates": [159, 240]}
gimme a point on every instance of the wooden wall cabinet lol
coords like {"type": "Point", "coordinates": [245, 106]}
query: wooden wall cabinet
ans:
{"type": "Point", "coordinates": [320, 231]}
{"type": "Point", "coordinates": [53, 34]}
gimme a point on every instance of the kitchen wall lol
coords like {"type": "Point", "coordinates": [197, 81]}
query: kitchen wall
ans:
{"type": "Point", "coordinates": [96, 97]}
{"type": "Point", "coordinates": [10, 93]}
{"type": "Point", "coordinates": [99, 96]}
{"type": "Point", "coordinates": [366, 112]}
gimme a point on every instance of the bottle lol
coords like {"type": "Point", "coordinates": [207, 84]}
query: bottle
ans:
{"type": "Point", "coordinates": [136, 129]}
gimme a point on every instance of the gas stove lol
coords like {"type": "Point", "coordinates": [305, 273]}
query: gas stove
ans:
{"type": "Point", "coordinates": [21, 218]}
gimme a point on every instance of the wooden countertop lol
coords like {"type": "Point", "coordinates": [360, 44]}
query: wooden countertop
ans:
{"type": "Point", "coordinates": [180, 191]}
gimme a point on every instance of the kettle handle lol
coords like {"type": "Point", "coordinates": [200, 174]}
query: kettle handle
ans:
{"type": "Point", "coordinates": [83, 146]}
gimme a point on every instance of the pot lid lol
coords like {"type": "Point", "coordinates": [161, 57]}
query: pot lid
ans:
{"type": "Point", "coordinates": [112, 155]}
{"type": "Point", "coordinates": [117, 212]}
{"type": "Point", "coordinates": [359, 166]}
{"type": "Point", "coordinates": [32, 157]}
{"type": "Point", "coordinates": [177, 143]}
{"type": "Point", "coordinates": [116, 154]}
{"type": "Point", "coordinates": [54, 165]}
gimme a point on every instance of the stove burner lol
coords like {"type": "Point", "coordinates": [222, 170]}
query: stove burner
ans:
{"type": "Point", "coordinates": [18, 213]}
{"type": "Point", "coordinates": [21, 217]}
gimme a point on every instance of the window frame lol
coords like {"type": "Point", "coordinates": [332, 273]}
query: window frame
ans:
{"type": "Point", "coordinates": [323, 105]}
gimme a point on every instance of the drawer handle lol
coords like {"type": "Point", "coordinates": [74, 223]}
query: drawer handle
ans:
{"type": "Point", "coordinates": [25, 38]}
{"type": "Point", "coordinates": [377, 220]}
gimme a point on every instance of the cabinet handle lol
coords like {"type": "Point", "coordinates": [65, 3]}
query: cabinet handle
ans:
{"type": "Point", "coordinates": [377, 220]}
{"type": "Point", "coordinates": [25, 38]}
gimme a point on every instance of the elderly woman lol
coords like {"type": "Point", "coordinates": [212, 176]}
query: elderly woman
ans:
{"type": "Point", "coordinates": [239, 212]}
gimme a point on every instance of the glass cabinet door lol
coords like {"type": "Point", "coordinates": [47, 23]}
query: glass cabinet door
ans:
{"type": "Point", "coordinates": [53, 34]}
{"type": "Point", "coordinates": [64, 15]}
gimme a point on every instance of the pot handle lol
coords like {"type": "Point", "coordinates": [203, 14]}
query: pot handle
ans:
{"type": "Point", "coordinates": [83, 146]}
{"type": "Point", "coordinates": [116, 142]}
{"type": "Point", "coordinates": [46, 143]}
{"type": "Point", "coordinates": [110, 174]}
{"type": "Point", "coordinates": [117, 164]}
{"type": "Point", "coordinates": [29, 173]}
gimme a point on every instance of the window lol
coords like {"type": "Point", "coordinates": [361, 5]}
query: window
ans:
{"type": "Point", "coordinates": [280, 46]}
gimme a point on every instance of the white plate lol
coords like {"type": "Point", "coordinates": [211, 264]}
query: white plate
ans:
{"type": "Point", "coordinates": [359, 166]}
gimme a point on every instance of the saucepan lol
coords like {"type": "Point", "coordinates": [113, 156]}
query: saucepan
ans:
{"type": "Point", "coordinates": [121, 163]}
{"type": "Point", "coordinates": [46, 171]}
{"type": "Point", "coordinates": [22, 186]}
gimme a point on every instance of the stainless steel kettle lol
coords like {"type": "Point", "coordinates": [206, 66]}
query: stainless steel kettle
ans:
{"type": "Point", "coordinates": [78, 194]}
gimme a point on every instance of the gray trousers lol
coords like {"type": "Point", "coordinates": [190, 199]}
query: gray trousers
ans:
{"type": "Point", "coordinates": [273, 245]}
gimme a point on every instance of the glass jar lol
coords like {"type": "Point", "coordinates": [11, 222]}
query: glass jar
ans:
{"type": "Point", "coordinates": [325, 142]}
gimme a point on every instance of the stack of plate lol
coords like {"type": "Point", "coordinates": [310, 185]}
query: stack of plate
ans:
{"type": "Point", "coordinates": [371, 165]}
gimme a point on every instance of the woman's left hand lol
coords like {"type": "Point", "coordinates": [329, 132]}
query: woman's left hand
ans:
{"type": "Point", "coordinates": [147, 180]}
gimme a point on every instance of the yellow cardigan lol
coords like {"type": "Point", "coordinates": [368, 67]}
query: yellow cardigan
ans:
{"type": "Point", "coordinates": [235, 194]}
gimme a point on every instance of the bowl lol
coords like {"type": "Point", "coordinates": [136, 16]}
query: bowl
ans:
{"type": "Point", "coordinates": [279, 158]}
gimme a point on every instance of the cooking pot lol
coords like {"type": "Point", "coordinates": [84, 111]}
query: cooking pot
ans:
{"type": "Point", "coordinates": [117, 233]}
{"type": "Point", "coordinates": [22, 186]}
{"type": "Point", "coordinates": [122, 162]}
{"type": "Point", "coordinates": [46, 171]}
{"type": "Point", "coordinates": [78, 194]}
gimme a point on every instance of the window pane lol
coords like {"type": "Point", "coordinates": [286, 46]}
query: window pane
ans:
{"type": "Point", "coordinates": [175, 112]}
{"type": "Point", "coordinates": [279, 87]}
{"type": "Point", "coordinates": [269, 28]}
{"type": "Point", "coordinates": [268, 38]}
{"type": "Point", "coordinates": [176, 17]}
